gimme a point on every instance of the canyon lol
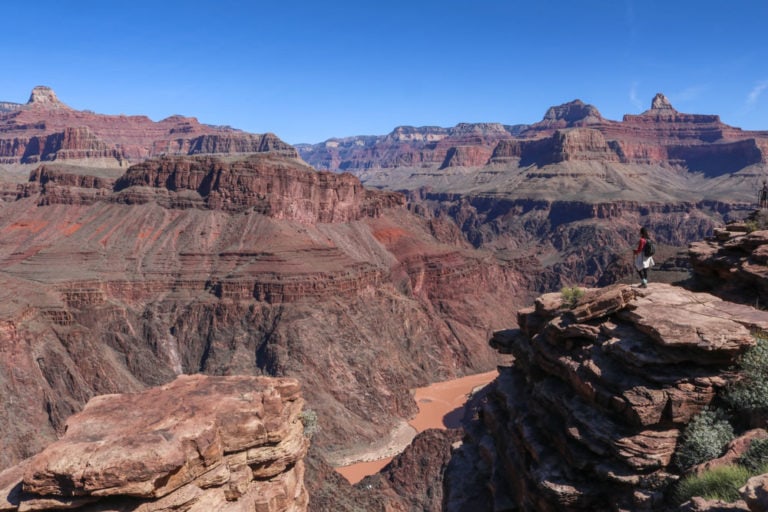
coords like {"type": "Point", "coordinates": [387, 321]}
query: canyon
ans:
{"type": "Point", "coordinates": [137, 255]}
{"type": "Point", "coordinates": [573, 189]}
{"type": "Point", "coordinates": [233, 264]}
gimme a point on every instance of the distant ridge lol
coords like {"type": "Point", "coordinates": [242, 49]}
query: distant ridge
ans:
{"type": "Point", "coordinates": [45, 129]}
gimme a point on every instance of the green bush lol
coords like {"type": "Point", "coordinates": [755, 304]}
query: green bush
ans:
{"type": "Point", "coordinates": [703, 439]}
{"type": "Point", "coordinates": [721, 483]}
{"type": "Point", "coordinates": [571, 295]}
{"type": "Point", "coordinates": [750, 394]}
{"type": "Point", "coordinates": [755, 458]}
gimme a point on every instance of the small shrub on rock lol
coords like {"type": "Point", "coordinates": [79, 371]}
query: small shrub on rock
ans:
{"type": "Point", "coordinates": [721, 483]}
{"type": "Point", "coordinates": [756, 457]}
{"type": "Point", "coordinates": [571, 295]}
{"type": "Point", "coordinates": [703, 439]}
{"type": "Point", "coordinates": [750, 394]}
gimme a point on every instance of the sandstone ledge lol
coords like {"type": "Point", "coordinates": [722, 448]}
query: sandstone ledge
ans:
{"type": "Point", "coordinates": [589, 415]}
{"type": "Point", "coordinates": [199, 443]}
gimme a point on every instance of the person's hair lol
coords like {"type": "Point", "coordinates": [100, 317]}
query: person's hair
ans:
{"type": "Point", "coordinates": [643, 232]}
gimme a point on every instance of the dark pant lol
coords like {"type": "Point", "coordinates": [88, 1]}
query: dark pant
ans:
{"type": "Point", "coordinates": [643, 273]}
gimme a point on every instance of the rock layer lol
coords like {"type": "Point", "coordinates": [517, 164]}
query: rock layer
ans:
{"type": "Point", "coordinates": [732, 262]}
{"type": "Point", "coordinates": [256, 265]}
{"type": "Point", "coordinates": [545, 189]}
{"type": "Point", "coordinates": [198, 444]}
{"type": "Point", "coordinates": [589, 415]}
{"type": "Point", "coordinates": [45, 129]}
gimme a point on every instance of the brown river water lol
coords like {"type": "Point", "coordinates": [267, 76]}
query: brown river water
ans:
{"type": "Point", "coordinates": [441, 405]}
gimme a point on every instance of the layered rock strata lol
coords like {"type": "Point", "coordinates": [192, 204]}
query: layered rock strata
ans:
{"type": "Point", "coordinates": [573, 189]}
{"type": "Point", "coordinates": [256, 265]}
{"type": "Point", "coordinates": [197, 444]}
{"type": "Point", "coordinates": [45, 130]}
{"type": "Point", "coordinates": [589, 415]}
{"type": "Point", "coordinates": [732, 262]}
{"type": "Point", "coordinates": [572, 131]}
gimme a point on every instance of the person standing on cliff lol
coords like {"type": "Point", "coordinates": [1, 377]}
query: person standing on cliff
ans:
{"type": "Point", "coordinates": [643, 262]}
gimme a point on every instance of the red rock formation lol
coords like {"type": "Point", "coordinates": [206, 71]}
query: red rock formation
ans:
{"type": "Point", "coordinates": [45, 129]}
{"type": "Point", "coordinates": [178, 272]}
{"type": "Point", "coordinates": [659, 136]}
{"type": "Point", "coordinates": [732, 263]}
{"type": "Point", "coordinates": [201, 443]}
{"type": "Point", "coordinates": [589, 415]}
{"type": "Point", "coordinates": [266, 184]}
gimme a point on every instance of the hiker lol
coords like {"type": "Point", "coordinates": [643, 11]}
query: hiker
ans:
{"type": "Point", "coordinates": [644, 257]}
{"type": "Point", "coordinates": [762, 200]}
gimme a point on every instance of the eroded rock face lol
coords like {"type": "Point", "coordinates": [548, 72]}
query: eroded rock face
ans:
{"type": "Point", "coordinates": [257, 265]}
{"type": "Point", "coordinates": [270, 185]}
{"type": "Point", "coordinates": [556, 187]}
{"type": "Point", "coordinates": [199, 443]}
{"type": "Point", "coordinates": [412, 481]}
{"type": "Point", "coordinates": [589, 415]}
{"type": "Point", "coordinates": [45, 129]}
{"type": "Point", "coordinates": [732, 263]}
{"type": "Point", "coordinates": [661, 136]}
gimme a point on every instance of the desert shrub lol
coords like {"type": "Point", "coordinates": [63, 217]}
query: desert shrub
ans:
{"type": "Point", "coordinates": [720, 483]}
{"type": "Point", "coordinates": [755, 458]}
{"type": "Point", "coordinates": [750, 393]}
{"type": "Point", "coordinates": [703, 439]}
{"type": "Point", "coordinates": [308, 418]}
{"type": "Point", "coordinates": [571, 295]}
{"type": "Point", "coordinates": [751, 225]}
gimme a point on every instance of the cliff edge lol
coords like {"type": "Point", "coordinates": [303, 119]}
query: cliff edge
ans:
{"type": "Point", "coordinates": [590, 414]}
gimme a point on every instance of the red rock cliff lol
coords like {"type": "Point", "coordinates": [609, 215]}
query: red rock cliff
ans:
{"type": "Point", "coordinates": [45, 129]}
{"type": "Point", "coordinates": [268, 184]}
{"type": "Point", "coordinates": [589, 415]}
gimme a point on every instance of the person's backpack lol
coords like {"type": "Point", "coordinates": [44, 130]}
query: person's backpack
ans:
{"type": "Point", "coordinates": [650, 248]}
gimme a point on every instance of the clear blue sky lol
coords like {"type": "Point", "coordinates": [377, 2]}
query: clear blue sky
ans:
{"type": "Point", "coordinates": [311, 70]}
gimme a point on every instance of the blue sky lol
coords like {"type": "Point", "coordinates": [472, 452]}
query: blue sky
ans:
{"type": "Point", "coordinates": [312, 70]}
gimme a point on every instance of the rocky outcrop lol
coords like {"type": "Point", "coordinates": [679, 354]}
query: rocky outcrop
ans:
{"type": "Point", "coordinates": [198, 444]}
{"type": "Point", "coordinates": [45, 129]}
{"type": "Point", "coordinates": [589, 415]}
{"type": "Point", "coordinates": [466, 156]}
{"type": "Point", "coordinates": [44, 97]}
{"type": "Point", "coordinates": [569, 115]}
{"type": "Point", "coordinates": [270, 185]}
{"type": "Point", "coordinates": [732, 262]}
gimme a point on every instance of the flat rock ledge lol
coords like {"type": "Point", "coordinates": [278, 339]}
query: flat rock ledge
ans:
{"type": "Point", "coordinates": [589, 415]}
{"type": "Point", "coordinates": [197, 444]}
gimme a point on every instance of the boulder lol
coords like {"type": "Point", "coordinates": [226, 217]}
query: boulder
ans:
{"type": "Point", "coordinates": [198, 443]}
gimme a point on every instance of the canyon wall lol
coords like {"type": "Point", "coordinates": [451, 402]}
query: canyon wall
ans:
{"type": "Point", "coordinates": [46, 130]}
{"type": "Point", "coordinates": [572, 190]}
{"type": "Point", "coordinates": [255, 265]}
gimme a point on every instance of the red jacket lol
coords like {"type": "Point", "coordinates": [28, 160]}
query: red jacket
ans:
{"type": "Point", "coordinates": [640, 246]}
